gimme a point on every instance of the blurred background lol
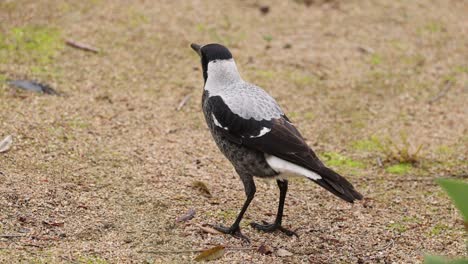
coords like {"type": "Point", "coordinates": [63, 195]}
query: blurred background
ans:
{"type": "Point", "coordinates": [100, 171]}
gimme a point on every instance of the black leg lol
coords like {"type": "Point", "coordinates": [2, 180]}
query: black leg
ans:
{"type": "Point", "coordinates": [249, 186]}
{"type": "Point", "coordinates": [283, 186]}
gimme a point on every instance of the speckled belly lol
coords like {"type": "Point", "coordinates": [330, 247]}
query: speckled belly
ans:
{"type": "Point", "coordinates": [243, 159]}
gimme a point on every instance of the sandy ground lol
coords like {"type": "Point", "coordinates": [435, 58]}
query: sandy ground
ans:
{"type": "Point", "coordinates": [101, 173]}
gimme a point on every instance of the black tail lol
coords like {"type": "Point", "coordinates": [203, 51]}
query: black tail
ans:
{"type": "Point", "coordinates": [337, 185]}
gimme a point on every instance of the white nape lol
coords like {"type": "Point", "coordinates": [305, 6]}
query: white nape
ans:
{"type": "Point", "coordinates": [215, 121]}
{"type": "Point", "coordinates": [262, 132]}
{"type": "Point", "coordinates": [287, 168]}
{"type": "Point", "coordinates": [221, 73]}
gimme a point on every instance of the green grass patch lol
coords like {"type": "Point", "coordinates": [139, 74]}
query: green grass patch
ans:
{"type": "Point", "coordinates": [39, 44]}
{"type": "Point", "coordinates": [337, 160]}
{"type": "Point", "coordinates": [371, 144]}
{"type": "Point", "coordinates": [136, 19]}
{"type": "Point", "coordinates": [268, 38]}
{"type": "Point", "coordinates": [399, 227]}
{"type": "Point", "coordinates": [302, 80]}
{"type": "Point", "coordinates": [429, 259]}
{"type": "Point", "coordinates": [434, 27]}
{"type": "Point", "coordinates": [394, 151]}
{"type": "Point", "coordinates": [309, 116]}
{"type": "Point", "coordinates": [444, 150]}
{"type": "Point", "coordinates": [225, 33]}
{"type": "Point", "coordinates": [375, 59]}
{"type": "Point", "coordinates": [35, 46]}
{"type": "Point", "coordinates": [437, 229]}
{"type": "Point", "coordinates": [265, 74]}
{"type": "Point", "coordinates": [461, 69]}
{"type": "Point", "coordinates": [92, 260]}
{"type": "Point", "coordinates": [401, 168]}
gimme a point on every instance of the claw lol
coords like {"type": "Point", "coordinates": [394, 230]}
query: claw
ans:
{"type": "Point", "coordinates": [272, 228]}
{"type": "Point", "coordinates": [233, 231]}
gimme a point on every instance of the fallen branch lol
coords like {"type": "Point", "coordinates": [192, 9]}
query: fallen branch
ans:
{"type": "Point", "coordinates": [183, 102]}
{"type": "Point", "coordinates": [81, 46]}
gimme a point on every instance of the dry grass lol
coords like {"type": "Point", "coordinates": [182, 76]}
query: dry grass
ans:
{"type": "Point", "coordinates": [102, 173]}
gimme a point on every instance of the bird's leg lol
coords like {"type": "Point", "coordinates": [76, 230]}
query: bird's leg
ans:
{"type": "Point", "coordinates": [283, 186]}
{"type": "Point", "coordinates": [234, 230]}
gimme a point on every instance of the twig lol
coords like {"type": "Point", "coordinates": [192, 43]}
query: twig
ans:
{"type": "Point", "coordinates": [171, 251]}
{"type": "Point", "coordinates": [183, 102]}
{"type": "Point", "coordinates": [11, 236]}
{"type": "Point", "coordinates": [442, 93]}
{"type": "Point", "coordinates": [193, 250]}
{"type": "Point", "coordinates": [390, 244]}
{"type": "Point", "coordinates": [81, 46]}
{"type": "Point", "coordinates": [379, 162]}
{"type": "Point", "coordinates": [241, 248]}
{"type": "Point", "coordinates": [32, 245]}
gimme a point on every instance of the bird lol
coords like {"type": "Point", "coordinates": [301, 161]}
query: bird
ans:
{"type": "Point", "coordinates": [256, 136]}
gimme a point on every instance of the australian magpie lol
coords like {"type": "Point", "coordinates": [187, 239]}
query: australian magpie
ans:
{"type": "Point", "coordinates": [253, 132]}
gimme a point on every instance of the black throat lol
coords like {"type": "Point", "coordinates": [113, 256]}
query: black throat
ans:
{"type": "Point", "coordinates": [204, 63]}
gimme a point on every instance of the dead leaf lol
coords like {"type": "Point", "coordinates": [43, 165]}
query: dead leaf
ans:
{"type": "Point", "coordinates": [264, 9]}
{"type": "Point", "coordinates": [5, 144]}
{"type": "Point", "coordinates": [211, 254]}
{"type": "Point", "coordinates": [283, 253]}
{"type": "Point", "coordinates": [53, 223]}
{"type": "Point", "coordinates": [366, 50]}
{"type": "Point", "coordinates": [264, 249]}
{"type": "Point", "coordinates": [187, 216]}
{"type": "Point", "coordinates": [201, 186]}
{"type": "Point", "coordinates": [209, 230]}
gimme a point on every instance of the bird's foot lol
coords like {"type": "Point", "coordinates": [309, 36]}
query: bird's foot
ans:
{"type": "Point", "coordinates": [272, 228]}
{"type": "Point", "coordinates": [233, 231]}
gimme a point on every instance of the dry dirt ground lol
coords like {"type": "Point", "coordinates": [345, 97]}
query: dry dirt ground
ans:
{"type": "Point", "coordinates": [100, 173]}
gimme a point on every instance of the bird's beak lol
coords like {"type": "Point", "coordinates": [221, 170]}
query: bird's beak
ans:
{"type": "Point", "coordinates": [196, 48]}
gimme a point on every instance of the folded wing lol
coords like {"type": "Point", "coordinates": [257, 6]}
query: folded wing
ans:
{"type": "Point", "coordinates": [278, 137]}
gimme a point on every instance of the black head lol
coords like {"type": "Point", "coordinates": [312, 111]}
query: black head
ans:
{"type": "Point", "coordinates": [211, 52]}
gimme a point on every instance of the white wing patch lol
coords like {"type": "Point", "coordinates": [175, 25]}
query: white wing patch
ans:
{"type": "Point", "coordinates": [215, 121]}
{"type": "Point", "coordinates": [288, 168]}
{"type": "Point", "coordinates": [262, 132]}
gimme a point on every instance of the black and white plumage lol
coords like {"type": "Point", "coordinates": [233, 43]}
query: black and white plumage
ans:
{"type": "Point", "coordinates": [253, 132]}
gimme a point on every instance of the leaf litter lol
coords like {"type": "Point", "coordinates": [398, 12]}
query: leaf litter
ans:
{"type": "Point", "coordinates": [211, 254]}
